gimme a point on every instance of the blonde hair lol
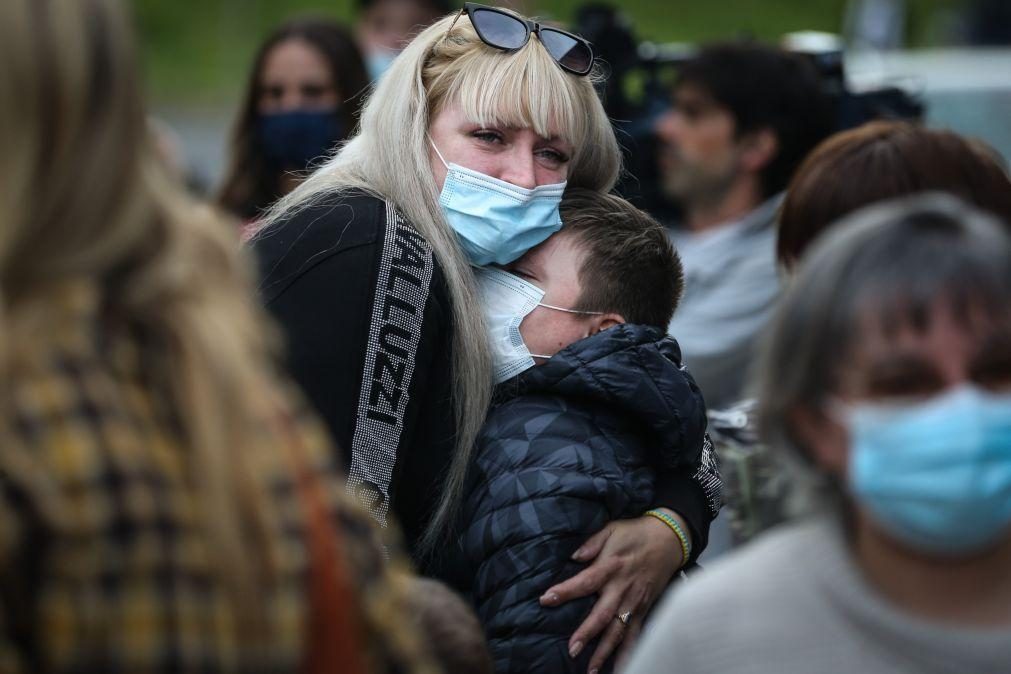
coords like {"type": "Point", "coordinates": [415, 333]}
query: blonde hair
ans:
{"type": "Point", "coordinates": [84, 199]}
{"type": "Point", "coordinates": [390, 158]}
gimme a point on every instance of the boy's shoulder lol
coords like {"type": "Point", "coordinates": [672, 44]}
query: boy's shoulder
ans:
{"type": "Point", "coordinates": [625, 384]}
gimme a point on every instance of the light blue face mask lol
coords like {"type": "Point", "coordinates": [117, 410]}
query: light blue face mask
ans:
{"type": "Point", "coordinates": [495, 221]}
{"type": "Point", "coordinates": [506, 300]}
{"type": "Point", "coordinates": [379, 61]}
{"type": "Point", "coordinates": [935, 475]}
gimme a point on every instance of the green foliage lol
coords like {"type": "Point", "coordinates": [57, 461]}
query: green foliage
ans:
{"type": "Point", "coordinates": [201, 49]}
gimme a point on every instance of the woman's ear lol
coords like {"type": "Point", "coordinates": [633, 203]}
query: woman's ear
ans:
{"type": "Point", "coordinates": [603, 322]}
{"type": "Point", "coordinates": [823, 437]}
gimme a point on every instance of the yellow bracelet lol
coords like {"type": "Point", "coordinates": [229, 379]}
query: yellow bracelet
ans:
{"type": "Point", "coordinates": [686, 548]}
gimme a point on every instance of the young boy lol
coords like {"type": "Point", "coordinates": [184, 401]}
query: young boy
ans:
{"type": "Point", "coordinates": [593, 404]}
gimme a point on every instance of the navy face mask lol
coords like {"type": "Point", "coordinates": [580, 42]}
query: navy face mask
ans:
{"type": "Point", "coordinates": [291, 140]}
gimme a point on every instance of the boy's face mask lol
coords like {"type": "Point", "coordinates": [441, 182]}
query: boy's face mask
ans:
{"type": "Point", "coordinates": [506, 300]}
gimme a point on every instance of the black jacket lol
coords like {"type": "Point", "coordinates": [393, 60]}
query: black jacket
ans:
{"type": "Point", "coordinates": [569, 446]}
{"type": "Point", "coordinates": [367, 318]}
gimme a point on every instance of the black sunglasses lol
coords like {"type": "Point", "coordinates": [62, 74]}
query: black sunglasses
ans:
{"type": "Point", "coordinates": [508, 32]}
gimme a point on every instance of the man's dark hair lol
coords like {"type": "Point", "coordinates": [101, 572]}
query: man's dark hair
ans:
{"type": "Point", "coordinates": [629, 265]}
{"type": "Point", "coordinates": [765, 87]}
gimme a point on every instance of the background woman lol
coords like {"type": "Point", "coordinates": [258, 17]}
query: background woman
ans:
{"type": "Point", "coordinates": [303, 97]}
{"type": "Point", "coordinates": [162, 506]}
{"type": "Point", "coordinates": [886, 381]}
{"type": "Point", "coordinates": [884, 160]}
{"type": "Point", "coordinates": [463, 153]}
{"type": "Point", "coordinates": [881, 160]}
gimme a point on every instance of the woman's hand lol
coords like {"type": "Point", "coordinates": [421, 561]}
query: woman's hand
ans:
{"type": "Point", "coordinates": [633, 560]}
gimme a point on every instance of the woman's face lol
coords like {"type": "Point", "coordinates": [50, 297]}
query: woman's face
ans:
{"type": "Point", "coordinates": [517, 156]}
{"type": "Point", "coordinates": [911, 366]}
{"type": "Point", "coordinates": [295, 76]}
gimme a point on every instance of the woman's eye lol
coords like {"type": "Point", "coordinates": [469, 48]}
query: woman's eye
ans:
{"type": "Point", "coordinates": [486, 136]}
{"type": "Point", "coordinates": [313, 91]}
{"type": "Point", "coordinates": [554, 155]}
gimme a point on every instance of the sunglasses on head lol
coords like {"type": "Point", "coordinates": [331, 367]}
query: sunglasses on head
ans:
{"type": "Point", "coordinates": [508, 32]}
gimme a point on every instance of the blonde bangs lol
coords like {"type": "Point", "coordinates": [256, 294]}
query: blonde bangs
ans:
{"type": "Point", "coordinates": [522, 89]}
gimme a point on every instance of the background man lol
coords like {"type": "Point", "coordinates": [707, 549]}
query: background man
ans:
{"type": "Point", "coordinates": [744, 117]}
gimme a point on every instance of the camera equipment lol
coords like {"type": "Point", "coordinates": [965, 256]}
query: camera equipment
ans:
{"type": "Point", "coordinates": [642, 75]}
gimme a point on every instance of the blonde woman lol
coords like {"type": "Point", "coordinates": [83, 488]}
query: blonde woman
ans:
{"type": "Point", "coordinates": [162, 508]}
{"type": "Point", "coordinates": [464, 150]}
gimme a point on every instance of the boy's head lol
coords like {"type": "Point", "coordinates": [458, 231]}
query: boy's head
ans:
{"type": "Point", "coordinates": [609, 258]}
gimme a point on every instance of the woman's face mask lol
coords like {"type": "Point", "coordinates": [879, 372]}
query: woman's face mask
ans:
{"type": "Point", "coordinates": [936, 475]}
{"type": "Point", "coordinates": [500, 187]}
{"type": "Point", "coordinates": [294, 139]}
{"type": "Point", "coordinates": [496, 222]}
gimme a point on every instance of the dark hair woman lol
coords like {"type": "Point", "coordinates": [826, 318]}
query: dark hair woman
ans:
{"type": "Point", "coordinates": [303, 96]}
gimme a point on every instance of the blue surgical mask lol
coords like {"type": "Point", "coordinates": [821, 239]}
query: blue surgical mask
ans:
{"type": "Point", "coordinates": [935, 475]}
{"type": "Point", "coordinates": [379, 61]}
{"type": "Point", "coordinates": [495, 221]}
{"type": "Point", "coordinates": [506, 300]}
{"type": "Point", "coordinates": [291, 140]}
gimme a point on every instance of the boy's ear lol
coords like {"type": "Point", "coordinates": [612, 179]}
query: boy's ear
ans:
{"type": "Point", "coordinates": [603, 322]}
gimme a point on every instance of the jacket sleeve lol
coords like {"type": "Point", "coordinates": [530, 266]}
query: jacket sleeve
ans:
{"type": "Point", "coordinates": [694, 492]}
{"type": "Point", "coordinates": [356, 310]}
{"type": "Point", "coordinates": [543, 482]}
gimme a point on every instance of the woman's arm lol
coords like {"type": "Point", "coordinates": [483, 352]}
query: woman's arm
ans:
{"type": "Point", "coordinates": [634, 560]}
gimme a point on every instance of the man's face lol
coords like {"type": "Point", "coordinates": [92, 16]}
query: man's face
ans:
{"type": "Point", "coordinates": [553, 266]}
{"type": "Point", "coordinates": [699, 154]}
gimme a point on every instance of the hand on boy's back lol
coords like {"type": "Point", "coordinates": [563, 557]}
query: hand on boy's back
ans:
{"type": "Point", "coordinates": [631, 562]}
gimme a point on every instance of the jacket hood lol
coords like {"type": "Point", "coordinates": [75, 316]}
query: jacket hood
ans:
{"type": "Point", "coordinates": [636, 372]}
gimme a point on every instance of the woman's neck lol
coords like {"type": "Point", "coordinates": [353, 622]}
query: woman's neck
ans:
{"type": "Point", "coordinates": [974, 591]}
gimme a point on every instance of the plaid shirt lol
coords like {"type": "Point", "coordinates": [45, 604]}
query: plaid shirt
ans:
{"type": "Point", "coordinates": [104, 566]}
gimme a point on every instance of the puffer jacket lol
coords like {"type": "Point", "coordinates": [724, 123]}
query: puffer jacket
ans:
{"type": "Point", "coordinates": [569, 446]}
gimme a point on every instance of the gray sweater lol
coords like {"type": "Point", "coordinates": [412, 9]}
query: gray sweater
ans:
{"type": "Point", "coordinates": [795, 602]}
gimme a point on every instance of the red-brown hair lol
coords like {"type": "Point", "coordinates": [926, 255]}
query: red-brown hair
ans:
{"type": "Point", "coordinates": [882, 160]}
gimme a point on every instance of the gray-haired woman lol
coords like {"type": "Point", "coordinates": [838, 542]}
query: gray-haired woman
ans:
{"type": "Point", "coordinates": [887, 378]}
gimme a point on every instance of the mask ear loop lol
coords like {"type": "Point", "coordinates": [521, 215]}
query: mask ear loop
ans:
{"type": "Point", "coordinates": [570, 311]}
{"type": "Point", "coordinates": [432, 143]}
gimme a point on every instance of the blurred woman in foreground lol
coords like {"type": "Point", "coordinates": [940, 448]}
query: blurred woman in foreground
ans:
{"type": "Point", "coordinates": [886, 377]}
{"type": "Point", "coordinates": [162, 507]}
